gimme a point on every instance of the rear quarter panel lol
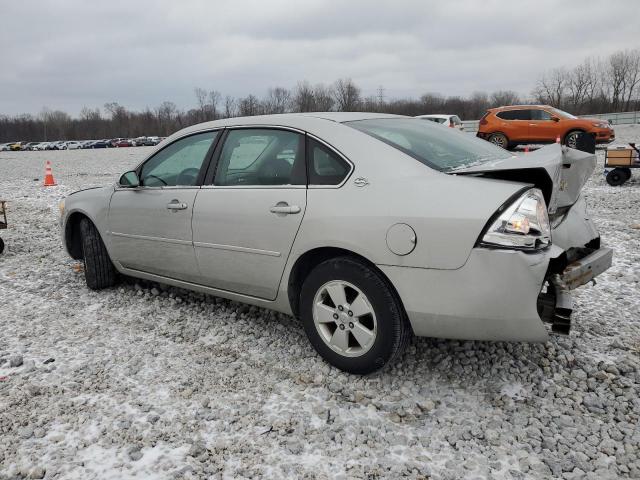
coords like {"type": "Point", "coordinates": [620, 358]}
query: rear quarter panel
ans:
{"type": "Point", "coordinates": [446, 212]}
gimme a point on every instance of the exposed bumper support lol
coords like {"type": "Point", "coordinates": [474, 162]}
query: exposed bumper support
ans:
{"type": "Point", "coordinates": [556, 305]}
{"type": "Point", "coordinates": [586, 269]}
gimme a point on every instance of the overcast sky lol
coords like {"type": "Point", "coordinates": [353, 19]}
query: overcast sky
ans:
{"type": "Point", "coordinates": [65, 54]}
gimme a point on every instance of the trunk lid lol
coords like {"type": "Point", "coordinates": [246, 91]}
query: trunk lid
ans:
{"type": "Point", "coordinates": [558, 171]}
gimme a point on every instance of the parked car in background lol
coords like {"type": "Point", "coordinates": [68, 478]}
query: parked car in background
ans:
{"type": "Point", "coordinates": [507, 127]}
{"type": "Point", "coordinates": [293, 214]}
{"type": "Point", "coordinates": [59, 145]}
{"type": "Point", "coordinates": [139, 141]}
{"type": "Point", "coordinates": [151, 141]}
{"type": "Point", "coordinates": [5, 147]}
{"type": "Point", "coordinates": [31, 146]}
{"type": "Point", "coordinates": [41, 146]}
{"type": "Point", "coordinates": [452, 121]}
{"type": "Point", "coordinates": [105, 143]}
{"type": "Point", "coordinates": [124, 142]}
{"type": "Point", "coordinates": [17, 146]}
{"type": "Point", "coordinates": [73, 145]}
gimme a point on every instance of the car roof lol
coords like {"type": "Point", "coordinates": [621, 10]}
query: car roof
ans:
{"type": "Point", "coordinates": [519, 107]}
{"type": "Point", "coordinates": [301, 121]}
{"type": "Point", "coordinates": [293, 118]}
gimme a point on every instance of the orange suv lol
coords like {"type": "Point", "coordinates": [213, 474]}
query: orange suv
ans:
{"type": "Point", "coordinates": [510, 126]}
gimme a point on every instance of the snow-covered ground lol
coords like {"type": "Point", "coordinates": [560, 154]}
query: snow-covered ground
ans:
{"type": "Point", "coordinates": [144, 381]}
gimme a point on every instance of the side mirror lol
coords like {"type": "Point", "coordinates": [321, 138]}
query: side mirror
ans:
{"type": "Point", "coordinates": [129, 180]}
{"type": "Point", "coordinates": [555, 119]}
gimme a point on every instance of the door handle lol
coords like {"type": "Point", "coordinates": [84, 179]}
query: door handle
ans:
{"type": "Point", "coordinates": [176, 205]}
{"type": "Point", "coordinates": [283, 208]}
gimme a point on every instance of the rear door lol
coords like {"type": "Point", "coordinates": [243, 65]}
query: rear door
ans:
{"type": "Point", "coordinates": [151, 224]}
{"type": "Point", "coordinates": [514, 124]}
{"type": "Point", "coordinates": [246, 218]}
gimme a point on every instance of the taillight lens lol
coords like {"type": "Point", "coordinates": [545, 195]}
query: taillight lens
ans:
{"type": "Point", "coordinates": [524, 225]}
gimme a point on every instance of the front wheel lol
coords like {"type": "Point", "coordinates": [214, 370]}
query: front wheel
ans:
{"type": "Point", "coordinates": [99, 271]}
{"type": "Point", "coordinates": [499, 140]}
{"type": "Point", "coordinates": [571, 140]}
{"type": "Point", "coordinates": [352, 317]}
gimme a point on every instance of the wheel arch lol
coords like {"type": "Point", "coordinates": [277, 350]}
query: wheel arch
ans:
{"type": "Point", "coordinates": [306, 262]}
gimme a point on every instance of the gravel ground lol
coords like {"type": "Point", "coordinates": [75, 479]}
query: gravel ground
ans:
{"type": "Point", "coordinates": [145, 381]}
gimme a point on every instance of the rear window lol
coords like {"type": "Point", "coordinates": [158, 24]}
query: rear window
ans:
{"type": "Point", "coordinates": [514, 115]}
{"type": "Point", "coordinates": [435, 119]}
{"type": "Point", "coordinates": [441, 149]}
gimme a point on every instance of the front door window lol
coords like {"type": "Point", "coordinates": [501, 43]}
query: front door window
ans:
{"type": "Point", "coordinates": [179, 164]}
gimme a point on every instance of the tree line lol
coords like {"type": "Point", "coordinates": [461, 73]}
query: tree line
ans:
{"type": "Point", "coordinates": [596, 85]}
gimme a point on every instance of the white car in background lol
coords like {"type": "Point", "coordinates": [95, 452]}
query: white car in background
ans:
{"type": "Point", "coordinates": [74, 145]}
{"type": "Point", "coordinates": [452, 121]}
{"type": "Point", "coordinates": [41, 146]}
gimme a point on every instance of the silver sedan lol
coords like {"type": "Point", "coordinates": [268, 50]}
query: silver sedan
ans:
{"type": "Point", "coordinates": [369, 228]}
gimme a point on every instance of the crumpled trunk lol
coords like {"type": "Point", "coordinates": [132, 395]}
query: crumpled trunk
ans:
{"type": "Point", "coordinates": [558, 171]}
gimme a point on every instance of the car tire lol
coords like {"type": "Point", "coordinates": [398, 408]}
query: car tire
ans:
{"type": "Point", "coordinates": [99, 271]}
{"type": "Point", "coordinates": [626, 172]}
{"type": "Point", "coordinates": [616, 177]}
{"type": "Point", "coordinates": [571, 138]}
{"type": "Point", "coordinates": [499, 140]}
{"type": "Point", "coordinates": [1, 245]}
{"type": "Point", "coordinates": [365, 332]}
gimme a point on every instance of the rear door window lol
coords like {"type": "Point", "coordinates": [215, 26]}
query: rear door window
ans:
{"type": "Point", "coordinates": [325, 166]}
{"type": "Point", "coordinates": [259, 157]}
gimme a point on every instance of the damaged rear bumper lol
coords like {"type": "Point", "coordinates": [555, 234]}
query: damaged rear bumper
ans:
{"type": "Point", "coordinates": [555, 305]}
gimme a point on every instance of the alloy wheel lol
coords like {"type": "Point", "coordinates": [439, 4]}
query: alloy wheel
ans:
{"type": "Point", "coordinates": [344, 318]}
{"type": "Point", "coordinates": [572, 140]}
{"type": "Point", "coordinates": [499, 140]}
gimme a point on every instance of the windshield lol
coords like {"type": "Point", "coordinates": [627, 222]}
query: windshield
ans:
{"type": "Point", "coordinates": [439, 148]}
{"type": "Point", "coordinates": [562, 114]}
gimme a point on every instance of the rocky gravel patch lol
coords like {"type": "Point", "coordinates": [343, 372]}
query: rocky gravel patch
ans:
{"type": "Point", "coordinates": [148, 381]}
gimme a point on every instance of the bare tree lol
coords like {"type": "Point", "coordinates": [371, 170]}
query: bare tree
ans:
{"type": "Point", "coordinates": [277, 101]}
{"type": "Point", "coordinates": [249, 106]}
{"type": "Point", "coordinates": [346, 94]}
{"type": "Point", "coordinates": [214, 99]}
{"type": "Point", "coordinates": [551, 87]}
{"type": "Point", "coordinates": [504, 97]}
{"type": "Point", "coordinates": [229, 107]}
{"type": "Point", "coordinates": [632, 79]}
{"type": "Point", "coordinates": [303, 98]}
{"type": "Point", "coordinates": [201, 98]}
{"type": "Point", "coordinates": [323, 98]}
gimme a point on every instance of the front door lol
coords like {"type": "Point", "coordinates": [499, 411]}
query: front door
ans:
{"type": "Point", "coordinates": [542, 127]}
{"type": "Point", "coordinates": [244, 224]}
{"type": "Point", "coordinates": [151, 224]}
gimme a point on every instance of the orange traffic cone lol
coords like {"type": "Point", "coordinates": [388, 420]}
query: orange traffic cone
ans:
{"type": "Point", "coordinates": [558, 139]}
{"type": "Point", "coordinates": [48, 176]}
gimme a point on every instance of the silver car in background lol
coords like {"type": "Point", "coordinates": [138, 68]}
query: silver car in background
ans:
{"type": "Point", "coordinates": [369, 228]}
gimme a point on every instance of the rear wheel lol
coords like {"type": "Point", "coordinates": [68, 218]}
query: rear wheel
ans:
{"type": "Point", "coordinates": [499, 139]}
{"type": "Point", "coordinates": [352, 317]}
{"type": "Point", "coordinates": [1, 245]}
{"type": "Point", "coordinates": [571, 139]}
{"type": "Point", "coordinates": [99, 272]}
{"type": "Point", "coordinates": [617, 177]}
